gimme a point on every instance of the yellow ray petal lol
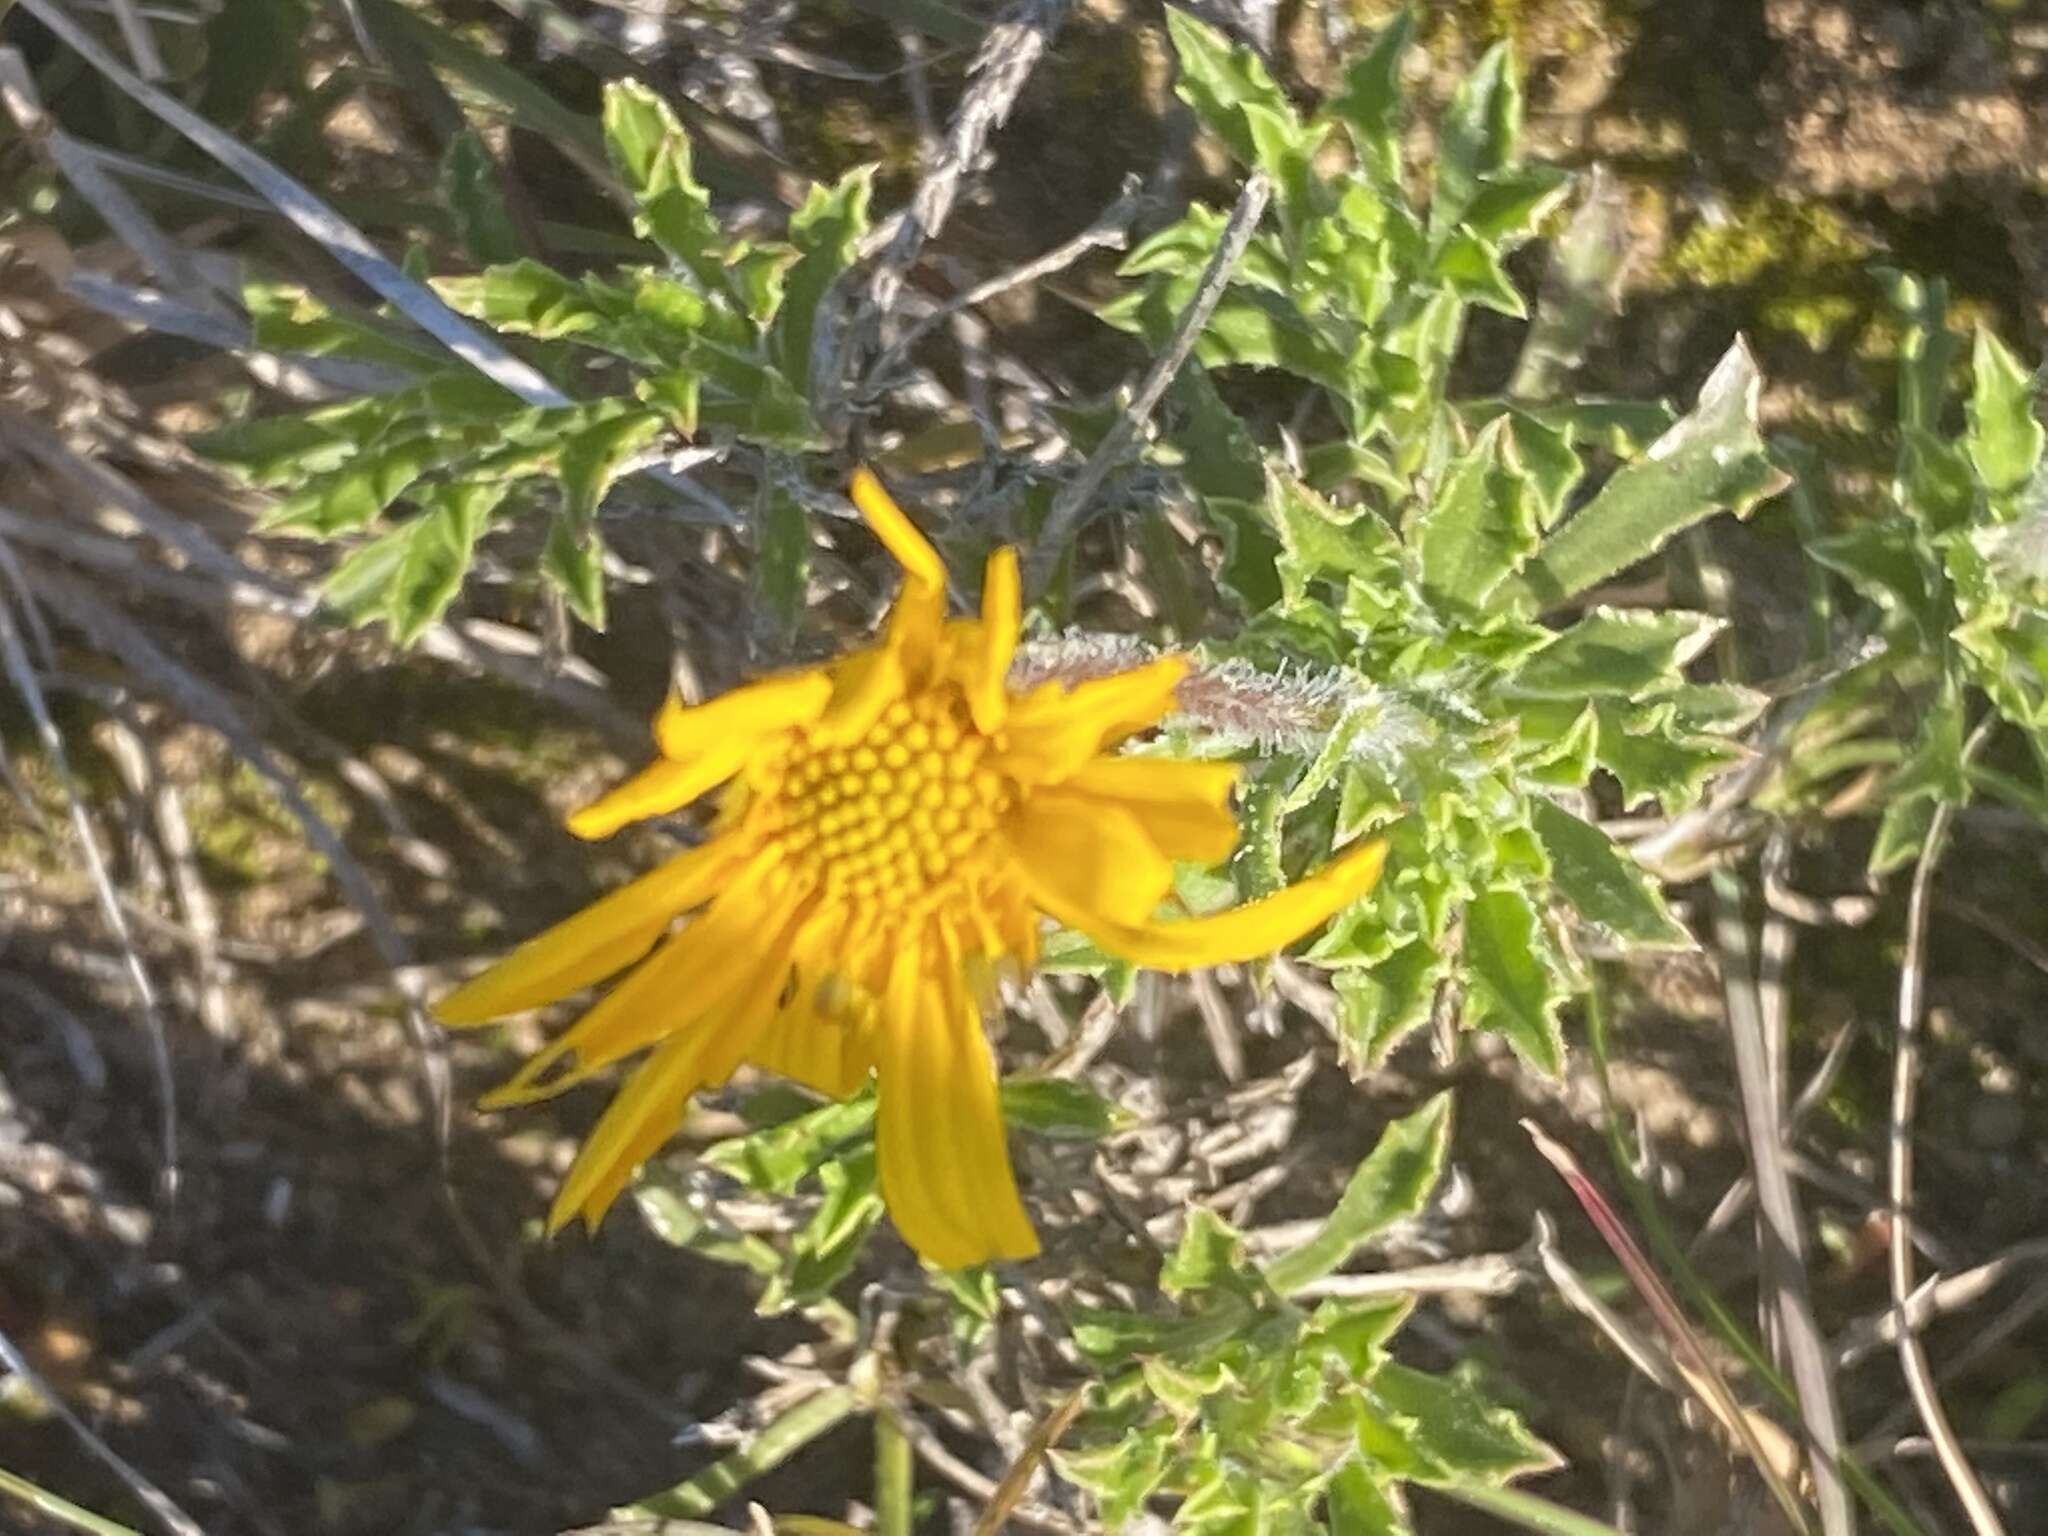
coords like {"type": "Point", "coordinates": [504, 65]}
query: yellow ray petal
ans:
{"type": "Point", "coordinates": [663, 786]}
{"type": "Point", "coordinates": [605, 937]}
{"type": "Point", "coordinates": [901, 1157]}
{"type": "Point", "coordinates": [909, 548]}
{"type": "Point", "coordinates": [1095, 854]}
{"type": "Point", "coordinates": [988, 692]}
{"type": "Point", "coordinates": [742, 717]}
{"type": "Point", "coordinates": [646, 1111]}
{"type": "Point", "coordinates": [644, 1114]}
{"type": "Point", "coordinates": [1184, 807]}
{"type": "Point", "coordinates": [683, 988]}
{"type": "Point", "coordinates": [1257, 928]}
{"type": "Point", "coordinates": [984, 1185]}
{"type": "Point", "coordinates": [1054, 729]}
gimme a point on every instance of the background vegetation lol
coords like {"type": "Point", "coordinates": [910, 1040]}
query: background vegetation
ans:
{"type": "Point", "coordinates": [1596, 444]}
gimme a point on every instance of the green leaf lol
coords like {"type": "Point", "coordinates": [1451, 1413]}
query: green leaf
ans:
{"type": "Point", "coordinates": [675, 394]}
{"type": "Point", "coordinates": [1225, 84]}
{"type": "Point", "coordinates": [593, 458]}
{"type": "Point", "coordinates": [1926, 352]}
{"type": "Point", "coordinates": [1932, 772]}
{"type": "Point", "coordinates": [2005, 437]}
{"type": "Point", "coordinates": [1389, 1186]}
{"type": "Point", "coordinates": [1061, 1109]}
{"type": "Point", "coordinates": [1652, 755]}
{"type": "Point", "coordinates": [1513, 988]}
{"type": "Point", "coordinates": [750, 396]}
{"type": "Point", "coordinates": [359, 587]}
{"type": "Point", "coordinates": [1603, 884]}
{"type": "Point", "coordinates": [1476, 137]}
{"type": "Point", "coordinates": [775, 1443]}
{"type": "Point", "coordinates": [355, 496]}
{"type": "Point", "coordinates": [1545, 454]}
{"type": "Point", "coordinates": [651, 153]}
{"type": "Point", "coordinates": [826, 231]}
{"type": "Point", "coordinates": [1457, 1432]}
{"type": "Point", "coordinates": [527, 298]}
{"type": "Point", "coordinates": [469, 181]}
{"type": "Point", "coordinates": [1886, 562]}
{"type": "Point", "coordinates": [1617, 653]}
{"type": "Point", "coordinates": [1934, 482]}
{"type": "Point", "coordinates": [1713, 458]}
{"type": "Point", "coordinates": [279, 450]}
{"type": "Point", "coordinates": [1481, 527]}
{"type": "Point", "coordinates": [825, 1249]}
{"type": "Point", "coordinates": [1210, 1256]}
{"type": "Point", "coordinates": [777, 1159]}
{"type": "Point", "coordinates": [1360, 1506]}
{"type": "Point", "coordinates": [1122, 1474]}
{"type": "Point", "coordinates": [1510, 203]}
{"type": "Point", "coordinates": [439, 545]}
{"type": "Point", "coordinates": [1369, 106]}
{"type": "Point", "coordinates": [284, 318]}
{"type": "Point", "coordinates": [1382, 1004]}
{"type": "Point", "coordinates": [1472, 269]}
{"type": "Point", "coordinates": [573, 562]}
{"type": "Point", "coordinates": [1323, 540]}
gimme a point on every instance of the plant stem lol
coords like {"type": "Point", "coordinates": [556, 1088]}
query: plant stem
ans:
{"type": "Point", "coordinates": [774, 1445]}
{"type": "Point", "coordinates": [44, 1502]}
{"type": "Point", "coordinates": [894, 1478]}
{"type": "Point", "coordinates": [1523, 1509]}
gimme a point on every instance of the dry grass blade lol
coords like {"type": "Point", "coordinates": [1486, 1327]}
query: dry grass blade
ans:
{"type": "Point", "coordinates": [1694, 1364]}
{"type": "Point", "coordinates": [1043, 1438]}
{"type": "Point", "coordinates": [341, 239]}
{"type": "Point", "coordinates": [1781, 1228]}
{"type": "Point", "coordinates": [1969, 1489]}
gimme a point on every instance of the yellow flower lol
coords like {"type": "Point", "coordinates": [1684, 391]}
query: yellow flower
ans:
{"type": "Point", "coordinates": [891, 829]}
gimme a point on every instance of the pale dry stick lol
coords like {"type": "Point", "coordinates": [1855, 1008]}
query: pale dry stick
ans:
{"type": "Point", "coordinates": [1225, 1043]}
{"type": "Point", "coordinates": [1007, 57]}
{"type": "Point", "coordinates": [1110, 229]}
{"type": "Point", "coordinates": [153, 1498]}
{"type": "Point", "coordinates": [1073, 499]}
{"type": "Point", "coordinates": [1939, 1296]}
{"type": "Point", "coordinates": [1644, 1353]}
{"type": "Point", "coordinates": [1781, 1227]}
{"type": "Point", "coordinates": [1005, 60]}
{"type": "Point", "coordinates": [19, 670]}
{"type": "Point", "coordinates": [1962, 1477]}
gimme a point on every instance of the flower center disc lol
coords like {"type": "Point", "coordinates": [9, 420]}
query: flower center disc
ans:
{"type": "Point", "coordinates": [892, 815]}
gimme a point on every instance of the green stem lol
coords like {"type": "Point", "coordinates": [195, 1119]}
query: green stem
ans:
{"type": "Point", "coordinates": [1523, 1509]}
{"type": "Point", "coordinates": [895, 1481]}
{"type": "Point", "coordinates": [41, 1500]}
{"type": "Point", "coordinates": [774, 1445]}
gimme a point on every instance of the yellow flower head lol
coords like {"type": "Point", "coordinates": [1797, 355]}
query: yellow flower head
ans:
{"type": "Point", "coordinates": [890, 830]}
